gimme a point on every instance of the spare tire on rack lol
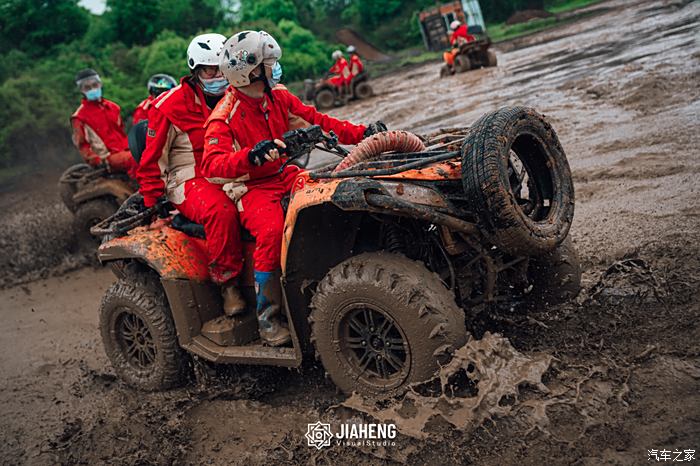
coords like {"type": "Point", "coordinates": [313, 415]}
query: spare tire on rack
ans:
{"type": "Point", "coordinates": [517, 179]}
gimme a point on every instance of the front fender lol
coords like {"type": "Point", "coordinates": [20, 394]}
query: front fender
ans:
{"type": "Point", "coordinates": [170, 252]}
{"type": "Point", "coordinates": [104, 187]}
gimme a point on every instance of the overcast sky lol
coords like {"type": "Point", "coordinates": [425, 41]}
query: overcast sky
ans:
{"type": "Point", "coordinates": [96, 6]}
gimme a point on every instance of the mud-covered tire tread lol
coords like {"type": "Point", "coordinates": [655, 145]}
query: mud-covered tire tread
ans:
{"type": "Point", "coordinates": [66, 191]}
{"type": "Point", "coordinates": [320, 102]}
{"type": "Point", "coordinates": [491, 59]}
{"type": "Point", "coordinates": [141, 291]}
{"type": "Point", "coordinates": [431, 311]}
{"type": "Point", "coordinates": [366, 95]}
{"type": "Point", "coordinates": [95, 208]}
{"type": "Point", "coordinates": [555, 276]}
{"type": "Point", "coordinates": [462, 64]}
{"type": "Point", "coordinates": [484, 179]}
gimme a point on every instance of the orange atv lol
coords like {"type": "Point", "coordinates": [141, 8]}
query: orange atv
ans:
{"type": "Point", "coordinates": [471, 55]}
{"type": "Point", "coordinates": [92, 193]}
{"type": "Point", "coordinates": [386, 258]}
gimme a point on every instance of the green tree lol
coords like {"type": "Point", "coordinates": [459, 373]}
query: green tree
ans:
{"type": "Point", "coordinates": [274, 10]}
{"type": "Point", "coordinates": [36, 26]}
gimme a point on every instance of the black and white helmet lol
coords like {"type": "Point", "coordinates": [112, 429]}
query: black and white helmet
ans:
{"type": "Point", "coordinates": [245, 51]}
{"type": "Point", "coordinates": [204, 50]}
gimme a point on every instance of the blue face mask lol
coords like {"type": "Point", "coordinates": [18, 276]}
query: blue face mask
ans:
{"type": "Point", "coordinates": [276, 74]}
{"type": "Point", "coordinates": [94, 94]}
{"type": "Point", "coordinates": [214, 86]}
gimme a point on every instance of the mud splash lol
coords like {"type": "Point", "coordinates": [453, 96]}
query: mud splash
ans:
{"type": "Point", "coordinates": [481, 382]}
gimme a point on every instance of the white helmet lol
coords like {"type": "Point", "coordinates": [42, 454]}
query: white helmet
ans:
{"type": "Point", "coordinates": [245, 51]}
{"type": "Point", "coordinates": [336, 55]}
{"type": "Point", "coordinates": [455, 24]}
{"type": "Point", "coordinates": [351, 49]}
{"type": "Point", "coordinates": [204, 50]}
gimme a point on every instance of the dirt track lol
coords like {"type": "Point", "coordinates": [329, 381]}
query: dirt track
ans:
{"type": "Point", "coordinates": [622, 89]}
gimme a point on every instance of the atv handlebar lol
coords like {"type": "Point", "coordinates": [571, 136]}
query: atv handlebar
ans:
{"type": "Point", "coordinates": [130, 215]}
{"type": "Point", "coordinates": [302, 141]}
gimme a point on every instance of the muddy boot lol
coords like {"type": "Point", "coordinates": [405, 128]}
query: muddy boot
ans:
{"type": "Point", "coordinates": [269, 299]}
{"type": "Point", "coordinates": [234, 303]}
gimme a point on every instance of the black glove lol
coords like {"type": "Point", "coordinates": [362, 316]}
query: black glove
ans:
{"type": "Point", "coordinates": [163, 207]}
{"type": "Point", "coordinates": [257, 154]}
{"type": "Point", "coordinates": [374, 128]}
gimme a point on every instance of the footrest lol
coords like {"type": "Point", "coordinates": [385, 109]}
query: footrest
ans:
{"type": "Point", "coordinates": [232, 331]}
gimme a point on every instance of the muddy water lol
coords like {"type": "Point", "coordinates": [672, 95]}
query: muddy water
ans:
{"type": "Point", "coordinates": [622, 90]}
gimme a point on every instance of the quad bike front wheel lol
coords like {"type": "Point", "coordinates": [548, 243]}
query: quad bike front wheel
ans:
{"type": "Point", "coordinates": [555, 276]}
{"type": "Point", "coordinates": [491, 59]}
{"type": "Point", "coordinates": [380, 322]}
{"type": "Point", "coordinates": [517, 179]}
{"type": "Point", "coordinates": [462, 63]}
{"type": "Point", "coordinates": [325, 98]}
{"type": "Point", "coordinates": [139, 335]}
{"type": "Point", "coordinates": [363, 90]}
{"type": "Point", "coordinates": [90, 213]}
{"type": "Point", "coordinates": [67, 184]}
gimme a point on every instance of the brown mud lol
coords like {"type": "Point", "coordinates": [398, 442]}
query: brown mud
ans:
{"type": "Point", "coordinates": [622, 90]}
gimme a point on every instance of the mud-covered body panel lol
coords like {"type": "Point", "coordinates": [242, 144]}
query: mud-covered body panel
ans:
{"type": "Point", "coordinates": [102, 187]}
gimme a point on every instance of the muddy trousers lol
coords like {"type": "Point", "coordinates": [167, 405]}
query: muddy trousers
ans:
{"type": "Point", "coordinates": [449, 57]}
{"type": "Point", "coordinates": [206, 203]}
{"type": "Point", "coordinates": [339, 82]}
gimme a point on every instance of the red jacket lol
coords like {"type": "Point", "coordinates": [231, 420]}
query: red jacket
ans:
{"type": "Point", "coordinates": [461, 32]}
{"type": "Point", "coordinates": [98, 130]}
{"type": "Point", "coordinates": [141, 111]}
{"type": "Point", "coordinates": [356, 66]}
{"type": "Point", "coordinates": [174, 143]}
{"type": "Point", "coordinates": [341, 68]}
{"type": "Point", "coordinates": [239, 122]}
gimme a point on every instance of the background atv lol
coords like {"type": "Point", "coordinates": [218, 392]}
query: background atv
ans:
{"type": "Point", "coordinates": [92, 194]}
{"type": "Point", "coordinates": [386, 258]}
{"type": "Point", "coordinates": [472, 55]}
{"type": "Point", "coordinates": [325, 95]}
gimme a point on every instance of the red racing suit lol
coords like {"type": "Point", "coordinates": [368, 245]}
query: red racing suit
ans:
{"type": "Point", "coordinates": [234, 127]}
{"type": "Point", "coordinates": [356, 65]}
{"type": "Point", "coordinates": [98, 133]}
{"type": "Point", "coordinates": [461, 32]}
{"type": "Point", "coordinates": [171, 165]}
{"type": "Point", "coordinates": [342, 73]}
{"type": "Point", "coordinates": [141, 111]}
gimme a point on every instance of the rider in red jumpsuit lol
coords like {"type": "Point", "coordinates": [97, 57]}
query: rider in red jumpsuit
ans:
{"type": "Point", "coordinates": [356, 65]}
{"type": "Point", "coordinates": [98, 129]}
{"type": "Point", "coordinates": [459, 34]}
{"type": "Point", "coordinates": [157, 84]}
{"type": "Point", "coordinates": [239, 146]}
{"type": "Point", "coordinates": [171, 164]}
{"type": "Point", "coordinates": [341, 70]}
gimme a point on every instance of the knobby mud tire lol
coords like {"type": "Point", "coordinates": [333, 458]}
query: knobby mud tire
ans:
{"type": "Point", "coordinates": [485, 178]}
{"type": "Point", "coordinates": [141, 294]}
{"type": "Point", "coordinates": [324, 99]}
{"type": "Point", "coordinates": [491, 59]}
{"type": "Point", "coordinates": [415, 299]}
{"type": "Point", "coordinates": [462, 63]}
{"type": "Point", "coordinates": [89, 213]}
{"type": "Point", "coordinates": [555, 276]}
{"type": "Point", "coordinates": [363, 90]}
{"type": "Point", "coordinates": [67, 191]}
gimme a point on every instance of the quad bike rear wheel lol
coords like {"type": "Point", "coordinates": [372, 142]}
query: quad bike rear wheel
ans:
{"type": "Point", "coordinates": [91, 213]}
{"type": "Point", "coordinates": [555, 276]}
{"type": "Point", "coordinates": [363, 90]}
{"type": "Point", "coordinates": [381, 321]}
{"type": "Point", "coordinates": [139, 335]}
{"type": "Point", "coordinates": [325, 98]}
{"type": "Point", "coordinates": [517, 179]}
{"type": "Point", "coordinates": [462, 63]}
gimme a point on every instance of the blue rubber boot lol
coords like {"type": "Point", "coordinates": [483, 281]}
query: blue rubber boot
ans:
{"type": "Point", "coordinates": [269, 298]}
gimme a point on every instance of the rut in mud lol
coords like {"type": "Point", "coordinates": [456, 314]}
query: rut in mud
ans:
{"type": "Point", "coordinates": [622, 90]}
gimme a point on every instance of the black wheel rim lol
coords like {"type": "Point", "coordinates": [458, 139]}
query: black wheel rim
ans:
{"type": "Point", "coordinates": [373, 346]}
{"type": "Point", "coordinates": [135, 340]}
{"type": "Point", "coordinates": [530, 179]}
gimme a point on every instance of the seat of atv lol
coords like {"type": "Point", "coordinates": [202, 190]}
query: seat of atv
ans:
{"type": "Point", "coordinates": [190, 228]}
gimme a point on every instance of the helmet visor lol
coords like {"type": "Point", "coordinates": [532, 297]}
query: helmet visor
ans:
{"type": "Point", "coordinates": [90, 82]}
